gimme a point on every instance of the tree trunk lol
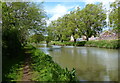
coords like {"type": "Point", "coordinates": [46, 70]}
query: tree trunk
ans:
{"type": "Point", "coordinates": [74, 40]}
{"type": "Point", "coordinates": [61, 40]}
{"type": "Point", "coordinates": [87, 38]}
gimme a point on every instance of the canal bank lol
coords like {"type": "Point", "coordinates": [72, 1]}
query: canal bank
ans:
{"type": "Point", "coordinates": [110, 44]}
{"type": "Point", "coordinates": [90, 63]}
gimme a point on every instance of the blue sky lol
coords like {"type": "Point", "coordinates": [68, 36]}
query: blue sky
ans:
{"type": "Point", "coordinates": [58, 8]}
{"type": "Point", "coordinates": [61, 7]}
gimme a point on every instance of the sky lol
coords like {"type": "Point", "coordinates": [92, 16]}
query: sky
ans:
{"type": "Point", "coordinates": [58, 8]}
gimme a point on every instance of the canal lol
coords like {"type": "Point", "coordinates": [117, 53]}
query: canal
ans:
{"type": "Point", "coordinates": [91, 63]}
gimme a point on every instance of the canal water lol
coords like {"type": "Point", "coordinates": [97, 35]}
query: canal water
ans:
{"type": "Point", "coordinates": [91, 63]}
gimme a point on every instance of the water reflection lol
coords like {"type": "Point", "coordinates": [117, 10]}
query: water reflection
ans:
{"type": "Point", "coordinates": [93, 64]}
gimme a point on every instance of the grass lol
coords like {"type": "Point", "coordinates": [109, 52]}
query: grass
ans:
{"type": "Point", "coordinates": [12, 68]}
{"type": "Point", "coordinates": [80, 43]}
{"type": "Point", "coordinates": [111, 44]}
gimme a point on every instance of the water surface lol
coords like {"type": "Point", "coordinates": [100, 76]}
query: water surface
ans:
{"type": "Point", "coordinates": [91, 63]}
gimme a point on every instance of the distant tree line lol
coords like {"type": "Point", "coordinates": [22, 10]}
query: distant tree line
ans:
{"type": "Point", "coordinates": [88, 22]}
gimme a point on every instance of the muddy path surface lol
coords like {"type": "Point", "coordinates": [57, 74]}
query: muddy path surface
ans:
{"type": "Point", "coordinates": [27, 72]}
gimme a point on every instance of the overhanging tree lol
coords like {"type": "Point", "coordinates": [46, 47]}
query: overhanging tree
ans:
{"type": "Point", "coordinates": [18, 19]}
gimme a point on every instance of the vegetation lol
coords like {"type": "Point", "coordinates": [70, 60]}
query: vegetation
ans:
{"type": "Point", "coordinates": [18, 21]}
{"type": "Point", "coordinates": [36, 38]}
{"type": "Point", "coordinates": [24, 23]}
{"type": "Point", "coordinates": [87, 21]}
{"type": "Point", "coordinates": [12, 67]}
{"type": "Point", "coordinates": [45, 69]}
{"type": "Point", "coordinates": [17, 24]}
{"type": "Point", "coordinates": [114, 44]}
{"type": "Point", "coordinates": [80, 43]}
{"type": "Point", "coordinates": [114, 16]}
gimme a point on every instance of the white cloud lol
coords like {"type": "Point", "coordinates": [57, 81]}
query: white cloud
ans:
{"type": "Point", "coordinates": [57, 12]}
{"type": "Point", "coordinates": [61, 10]}
{"type": "Point", "coordinates": [105, 2]}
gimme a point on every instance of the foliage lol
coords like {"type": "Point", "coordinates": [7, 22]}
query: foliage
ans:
{"type": "Point", "coordinates": [36, 38]}
{"type": "Point", "coordinates": [113, 44]}
{"type": "Point", "coordinates": [114, 16]}
{"type": "Point", "coordinates": [45, 69]}
{"type": "Point", "coordinates": [12, 68]}
{"type": "Point", "coordinates": [87, 21]}
{"type": "Point", "coordinates": [18, 20]}
{"type": "Point", "coordinates": [79, 43]}
{"type": "Point", "coordinates": [93, 19]}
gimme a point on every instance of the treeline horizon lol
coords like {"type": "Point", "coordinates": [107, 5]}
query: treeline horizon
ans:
{"type": "Point", "coordinates": [88, 22]}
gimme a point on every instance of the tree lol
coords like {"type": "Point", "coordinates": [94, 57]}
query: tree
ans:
{"type": "Point", "coordinates": [114, 15]}
{"type": "Point", "coordinates": [88, 21]}
{"type": "Point", "coordinates": [37, 38]}
{"type": "Point", "coordinates": [18, 20]}
{"type": "Point", "coordinates": [92, 19]}
{"type": "Point", "coordinates": [73, 26]}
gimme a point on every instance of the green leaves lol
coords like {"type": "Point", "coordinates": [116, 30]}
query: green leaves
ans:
{"type": "Point", "coordinates": [19, 20]}
{"type": "Point", "coordinates": [114, 16]}
{"type": "Point", "coordinates": [88, 21]}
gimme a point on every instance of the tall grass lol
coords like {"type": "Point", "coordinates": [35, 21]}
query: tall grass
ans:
{"type": "Point", "coordinates": [112, 44]}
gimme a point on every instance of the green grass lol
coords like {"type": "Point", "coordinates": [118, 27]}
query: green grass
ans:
{"type": "Point", "coordinates": [12, 68]}
{"type": "Point", "coordinates": [80, 43]}
{"type": "Point", "coordinates": [112, 44]}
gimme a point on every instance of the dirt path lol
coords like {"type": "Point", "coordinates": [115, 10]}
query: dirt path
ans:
{"type": "Point", "coordinates": [26, 69]}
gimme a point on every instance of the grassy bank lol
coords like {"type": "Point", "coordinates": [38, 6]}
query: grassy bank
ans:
{"type": "Point", "coordinates": [112, 44]}
{"type": "Point", "coordinates": [43, 68]}
{"type": "Point", "coordinates": [81, 43]}
{"type": "Point", "coordinates": [12, 67]}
